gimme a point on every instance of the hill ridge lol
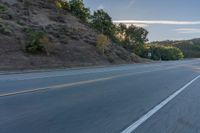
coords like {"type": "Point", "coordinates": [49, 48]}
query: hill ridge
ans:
{"type": "Point", "coordinates": [74, 42]}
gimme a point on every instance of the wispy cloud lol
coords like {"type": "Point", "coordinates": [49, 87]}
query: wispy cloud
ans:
{"type": "Point", "coordinates": [152, 22]}
{"type": "Point", "coordinates": [188, 30]}
{"type": "Point", "coordinates": [136, 24]}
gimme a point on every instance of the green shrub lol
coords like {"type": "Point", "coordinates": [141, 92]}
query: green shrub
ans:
{"type": "Point", "coordinates": [33, 41]}
{"type": "Point", "coordinates": [2, 8]}
{"type": "Point", "coordinates": [76, 7]}
{"type": "Point", "coordinates": [161, 52]}
{"type": "Point", "coordinates": [4, 29]}
{"type": "Point", "coordinates": [38, 42]}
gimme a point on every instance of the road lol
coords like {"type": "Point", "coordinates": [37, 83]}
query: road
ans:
{"type": "Point", "coordinates": [140, 98]}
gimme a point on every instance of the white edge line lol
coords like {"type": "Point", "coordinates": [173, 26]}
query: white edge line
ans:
{"type": "Point", "coordinates": [145, 117]}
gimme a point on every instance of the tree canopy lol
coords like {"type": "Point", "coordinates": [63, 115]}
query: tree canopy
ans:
{"type": "Point", "coordinates": [78, 9]}
{"type": "Point", "coordinates": [131, 36]}
{"type": "Point", "coordinates": [102, 22]}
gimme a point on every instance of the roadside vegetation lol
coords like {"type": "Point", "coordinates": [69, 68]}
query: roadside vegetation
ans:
{"type": "Point", "coordinates": [102, 43]}
{"type": "Point", "coordinates": [2, 8]}
{"type": "Point", "coordinates": [58, 28]}
{"type": "Point", "coordinates": [190, 48]}
{"type": "Point", "coordinates": [159, 52]}
{"type": "Point", "coordinates": [38, 42]}
{"type": "Point", "coordinates": [132, 38]}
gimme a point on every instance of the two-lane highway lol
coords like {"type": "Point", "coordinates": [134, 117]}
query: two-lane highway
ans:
{"type": "Point", "coordinates": [154, 98]}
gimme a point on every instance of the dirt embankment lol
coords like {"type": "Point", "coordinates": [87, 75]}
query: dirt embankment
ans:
{"type": "Point", "coordinates": [74, 42]}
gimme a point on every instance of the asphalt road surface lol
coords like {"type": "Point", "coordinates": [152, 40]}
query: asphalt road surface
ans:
{"type": "Point", "coordinates": [141, 98]}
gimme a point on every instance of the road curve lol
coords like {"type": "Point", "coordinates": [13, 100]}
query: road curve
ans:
{"type": "Point", "coordinates": [140, 98]}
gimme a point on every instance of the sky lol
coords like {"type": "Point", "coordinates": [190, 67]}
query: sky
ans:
{"type": "Point", "coordinates": [164, 19]}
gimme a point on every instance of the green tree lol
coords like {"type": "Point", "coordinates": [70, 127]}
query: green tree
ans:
{"type": "Point", "coordinates": [163, 52]}
{"type": "Point", "coordinates": [77, 8]}
{"type": "Point", "coordinates": [132, 37]}
{"type": "Point", "coordinates": [136, 35]}
{"type": "Point", "coordinates": [102, 22]}
{"type": "Point", "coordinates": [121, 29]}
{"type": "Point", "coordinates": [120, 33]}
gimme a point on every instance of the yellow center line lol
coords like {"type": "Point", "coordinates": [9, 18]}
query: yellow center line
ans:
{"type": "Point", "coordinates": [79, 83]}
{"type": "Point", "coordinates": [55, 87]}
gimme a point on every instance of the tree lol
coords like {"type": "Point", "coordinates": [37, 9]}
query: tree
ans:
{"type": "Point", "coordinates": [121, 32]}
{"type": "Point", "coordinates": [78, 9]}
{"type": "Point", "coordinates": [131, 37]}
{"type": "Point", "coordinates": [162, 52]}
{"type": "Point", "coordinates": [102, 22]}
{"type": "Point", "coordinates": [136, 35]}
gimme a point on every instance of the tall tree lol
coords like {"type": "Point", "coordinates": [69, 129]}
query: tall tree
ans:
{"type": "Point", "coordinates": [78, 9]}
{"type": "Point", "coordinates": [136, 35]}
{"type": "Point", "coordinates": [103, 23]}
{"type": "Point", "coordinates": [131, 37]}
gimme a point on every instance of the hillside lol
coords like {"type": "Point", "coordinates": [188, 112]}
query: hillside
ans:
{"type": "Point", "coordinates": [74, 43]}
{"type": "Point", "coordinates": [190, 48]}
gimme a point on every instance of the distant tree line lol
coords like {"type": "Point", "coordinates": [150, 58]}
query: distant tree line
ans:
{"type": "Point", "coordinates": [190, 48]}
{"type": "Point", "coordinates": [160, 52]}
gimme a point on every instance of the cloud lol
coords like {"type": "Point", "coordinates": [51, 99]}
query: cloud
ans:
{"type": "Point", "coordinates": [139, 25]}
{"type": "Point", "coordinates": [153, 22]}
{"type": "Point", "coordinates": [187, 30]}
{"type": "Point", "coordinates": [100, 7]}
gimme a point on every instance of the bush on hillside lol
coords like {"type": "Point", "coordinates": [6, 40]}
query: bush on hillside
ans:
{"type": "Point", "coordinates": [38, 42]}
{"type": "Point", "coordinates": [102, 42]}
{"type": "Point", "coordinates": [47, 46]}
{"type": "Point", "coordinates": [33, 41]}
{"type": "Point", "coordinates": [2, 8]}
{"type": "Point", "coordinates": [62, 4]}
{"type": "Point", "coordinates": [4, 29]}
